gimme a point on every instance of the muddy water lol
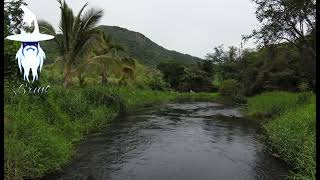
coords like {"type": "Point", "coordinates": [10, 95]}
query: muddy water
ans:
{"type": "Point", "coordinates": [183, 141]}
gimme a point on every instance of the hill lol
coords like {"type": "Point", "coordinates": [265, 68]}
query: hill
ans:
{"type": "Point", "coordinates": [142, 48]}
{"type": "Point", "coordinates": [136, 45]}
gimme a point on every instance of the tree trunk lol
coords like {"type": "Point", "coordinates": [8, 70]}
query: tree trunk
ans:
{"type": "Point", "coordinates": [66, 78]}
{"type": "Point", "coordinates": [81, 80]}
{"type": "Point", "coordinates": [104, 79]}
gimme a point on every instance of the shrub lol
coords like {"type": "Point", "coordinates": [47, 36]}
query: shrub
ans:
{"type": "Point", "coordinates": [239, 99]}
{"type": "Point", "coordinates": [156, 82]}
{"type": "Point", "coordinates": [303, 87]}
{"type": "Point", "coordinates": [304, 98]}
{"type": "Point", "coordinates": [230, 87]}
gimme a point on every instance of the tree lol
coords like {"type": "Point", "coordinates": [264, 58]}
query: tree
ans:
{"type": "Point", "coordinates": [232, 54]}
{"type": "Point", "coordinates": [286, 20]}
{"type": "Point", "coordinates": [105, 59]}
{"type": "Point", "coordinates": [173, 73]}
{"type": "Point", "coordinates": [207, 66]}
{"type": "Point", "coordinates": [78, 37]}
{"type": "Point", "coordinates": [218, 56]}
{"type": "Point", "coordinates": [13, 16]}
{"type": "Point", "coordinates": [183, 78]}
{"type": "Point", "coordinates": [12, 24]}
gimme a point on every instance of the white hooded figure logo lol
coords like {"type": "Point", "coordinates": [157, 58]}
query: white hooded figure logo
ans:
{"type": "Point", "coordinates": [30, 56]}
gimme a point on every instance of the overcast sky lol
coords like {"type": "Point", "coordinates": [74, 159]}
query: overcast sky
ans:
{"type": "Point", "coordinates": [193, 27]}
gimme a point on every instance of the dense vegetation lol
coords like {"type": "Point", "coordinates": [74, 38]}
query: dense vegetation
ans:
{"type": "Point", "coordinates": [186, 78]}
{"type": "Point", "coordinates": [135, 45]}
{"type": "Point", "coordinates": [274, 67]}
{"type": "Point", "coordinates": [116, 69]}
{"type": "Point", "coordinates": [40, 130]}
{"type": "Point", "coordinates": [290, 128]}
{"type": "Point", "coordinates": [142, 48]}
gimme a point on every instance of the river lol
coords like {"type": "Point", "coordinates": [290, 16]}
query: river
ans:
{"type": "Point", "coordinates": [177, 141]}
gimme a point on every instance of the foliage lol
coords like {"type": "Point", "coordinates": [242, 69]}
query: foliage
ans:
{"type": "Point", "coordinates": [173, 73]}
{"type": "Point", "coordinates": [104, 58]}
{"type": "Point", "coordinates": [156, 82]}
{"type": "Point", "coordinates": [303, 87]}
{"type": "Point", "coordinates": [40, 130]}
{"type": "Point", "coordinates": [195, 80]}
{"type": "Point", "coordinates": [229, 87]}
{"type": "Point", "coordinates": [293, 137]}
{"type": "Point", "coordinates": [286, 53]}
{"type": "Point", "coordinates": [232, 88]}
{"type": "Point", "coordinates": [185, 78]}
{"type": "Point", "coordinates": [304, 98]}
{"type": "Point", "coordinates": [271, 103]}
{"type": "Point", "coordinates": [12, 16]}
{"type": "Point", "coordinates": [77, 39]}
{"type": "Point", "coordinates": [206, 66]}
{"type": "Point", "coordinates": [149, 53]}
{"type": "Point", "coordinates": [12, 25]}
{"type": "Point", "coordinates": [290, 129]}
{"type": "Point", "coordinates": [287, 20]}
{"type": "Point", "coordinates": [276, 67]}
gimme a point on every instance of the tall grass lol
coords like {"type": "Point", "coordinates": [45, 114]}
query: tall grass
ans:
{"type": "Point", "coordinates": [293, 136]}
{"type": "Point", "coordinates": [290, 128]}
{"type": "Point", "coordinates": [41, 130]}
{"type": "Point", "coordinates": [271, 103]}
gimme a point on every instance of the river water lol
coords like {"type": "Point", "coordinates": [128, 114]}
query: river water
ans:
{"type": "Point", "coordinates": [178, 141]}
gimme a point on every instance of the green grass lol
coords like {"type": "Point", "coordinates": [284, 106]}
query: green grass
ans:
{"type": "Point", "coordinates": [41, 130]}
{"type": "Point", "coordinates": [290, 128]}
{"type": "Point", "coordinates": [271, 103]}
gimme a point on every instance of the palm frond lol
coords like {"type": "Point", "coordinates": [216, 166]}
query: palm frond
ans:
{"type": "Point", "coordinates": [104, 63]}
{"type": "Point", "coordinates": [86, 44]}
{"type": "Point", "coordinates": [91, 18]}
{"type": "Point", "coordinates": [129, 62]}
{"type": "Point", "coordinates": [76, 27]}
{"type": "Point", "coordinates": [66, 23]}
{"type": "Point", "coordinates": [46, 27]}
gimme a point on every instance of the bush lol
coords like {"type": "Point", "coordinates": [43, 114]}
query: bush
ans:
{"type": "Point", "coordinates": [155, 81]}
{"type": "Point", "coordinates": [230, 87]}
{"type": "Point", "coordinates": [304, 98]}
{"type": "Point", "coordinates": [303, 87]}
{"type": "Point", "coordinates": [239, 99]}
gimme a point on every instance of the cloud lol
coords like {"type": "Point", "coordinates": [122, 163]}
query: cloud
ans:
{"type": "Point", "coordinates": [193, 27]}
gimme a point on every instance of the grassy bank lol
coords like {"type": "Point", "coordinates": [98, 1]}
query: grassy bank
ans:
{"type": "Point", "coordinates": [290, 127]}
{"type": "Point", "coordinates": [41, 130]}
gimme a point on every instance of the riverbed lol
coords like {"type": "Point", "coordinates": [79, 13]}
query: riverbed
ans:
{"type": "Point", "coordinates": [176, 141]}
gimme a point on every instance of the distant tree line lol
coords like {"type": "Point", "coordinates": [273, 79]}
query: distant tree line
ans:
{"type": "Point", "coordinates": [185, 78]}
{"type": "Point", "coordinates": [286, 54]}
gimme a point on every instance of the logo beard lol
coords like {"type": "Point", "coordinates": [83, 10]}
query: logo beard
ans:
{"type": "Point", "coordinates": [30, 57]}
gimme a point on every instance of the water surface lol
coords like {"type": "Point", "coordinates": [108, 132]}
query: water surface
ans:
{"type": "Point", "coordinates": [178, 141]}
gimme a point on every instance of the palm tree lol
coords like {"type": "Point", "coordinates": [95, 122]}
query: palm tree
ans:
{"type": "Point", "coordinates": [105, 59]}
{"type": "Point", "coordinates": [77, 39]}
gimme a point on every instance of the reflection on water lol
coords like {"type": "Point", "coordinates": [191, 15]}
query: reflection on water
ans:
{"type": "Point", "coordinates": [176, 142]}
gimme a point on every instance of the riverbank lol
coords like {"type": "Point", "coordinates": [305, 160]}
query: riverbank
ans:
{"type": "Point", "coordinates": [289, 122]}
{"type": "Point", "coordinates": [41, 130]}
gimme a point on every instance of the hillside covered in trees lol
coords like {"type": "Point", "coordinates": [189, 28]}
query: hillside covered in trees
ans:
{"type": "Point", "coordinates": [145, 50]}
{"type": "Point", "coordinates": [136, 45]}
